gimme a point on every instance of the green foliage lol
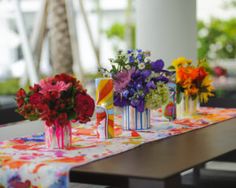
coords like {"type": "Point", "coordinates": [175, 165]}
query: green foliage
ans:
{"type": "Point", "coordinates": [117, 30]}
{"type": "Point", "coordinates": [230, 4]}
{"type": "Point", "coordinates": [205, 64]}
{"type": "Point", "coordinates": [9, 87]}
{"type": "Point", "coordinates": [217, 39]}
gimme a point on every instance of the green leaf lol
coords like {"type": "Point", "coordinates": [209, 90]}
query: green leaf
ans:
{"type": "Point", "coordinates": [171, 67]}
{"type": "Point", "coordinates": [179, 94]}
{"type": "Point", "coordinates": [194, 97]}
{"type": "Point", "coordinates": [71, 115]}
{"type": "Point", "coordinates": [33, 117]}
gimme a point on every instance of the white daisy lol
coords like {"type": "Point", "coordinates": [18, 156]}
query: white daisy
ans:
{"type": "Point", "coordinates": [127, 67]}
{"type": "Point", "coordinates": [141, 66]}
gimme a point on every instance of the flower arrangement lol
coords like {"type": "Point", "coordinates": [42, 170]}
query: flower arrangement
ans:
{"type": "Point", "coordinates": [138, 81]}
{"type": "Point", "coordinates": [56, 100]}
{"type": "Point", "coordinates": [192, 81]}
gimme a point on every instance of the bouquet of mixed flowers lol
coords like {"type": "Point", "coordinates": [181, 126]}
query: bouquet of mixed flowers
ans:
{"type": "Point", "coordinates": [138, 81]}
{"type": "Point", "coordinates": [192, 81]}
{"type": "Point", "coordinates": [56, 100]}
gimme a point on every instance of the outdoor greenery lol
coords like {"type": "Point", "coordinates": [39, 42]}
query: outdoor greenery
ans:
{"type": "Point", "coordinates": [216, 39]}
{"type": "Point", "coordinates": [9, 87]}
{"type": "Point", "coordinates": [118, 31]}
{"type": "Point", "coordinates": [230, 4]}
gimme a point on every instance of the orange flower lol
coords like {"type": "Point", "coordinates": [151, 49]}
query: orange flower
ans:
{"type": "Point", "coordinates": [184, 73]}
{"type": "Point", "coordinates": [181, 75]}
{"type": "Point", "coordinates": [193, 80]}
{"type": "Point", "coordinates": [193, 90]}
{"type": "Point", "coordinates": [193, 73]}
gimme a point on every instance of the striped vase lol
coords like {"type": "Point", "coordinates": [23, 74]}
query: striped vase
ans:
{"type": "Point", "coordinates": [132, 119]}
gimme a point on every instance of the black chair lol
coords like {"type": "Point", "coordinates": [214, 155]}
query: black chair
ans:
{"type": "Point", "coordinates": [8, 112]}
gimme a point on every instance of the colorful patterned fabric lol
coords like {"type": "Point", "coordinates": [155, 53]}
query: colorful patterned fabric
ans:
{"type": "Point", "coordinates": [26, 163]}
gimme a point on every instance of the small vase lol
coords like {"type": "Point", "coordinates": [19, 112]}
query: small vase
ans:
{"type": "Point", "coordinates": [187, 107]}
{"type": "Point", "coordinates": [169, 109]}
{"type": "Point", "coordinates": [58, 137]}
{"type": "Point", "coordinates": [132, 119]}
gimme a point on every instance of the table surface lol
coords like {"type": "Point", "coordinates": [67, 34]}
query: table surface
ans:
{"type": "Point", "coordinates": [165, 158]}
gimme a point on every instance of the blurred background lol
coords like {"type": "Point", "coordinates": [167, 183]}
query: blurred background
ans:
{"type": "Point", "coordinates": [39, 38]}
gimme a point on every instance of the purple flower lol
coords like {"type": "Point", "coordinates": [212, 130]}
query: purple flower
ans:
{"type": "Point", "coordinates": [146, 73]}
{"type": "Point", "coordinates": [140, 57]}
{"type": "Point", "coordinates": [138, 104]}
{"type": "Point", "coordinates": [125, 93]}
{"type": "Point", "coordinates": [139, 86]}
{"type": "Point", "coordinates": [131, 91]}
{"type": "Point", "coordinates": [141, 106]}
{"type": "Point", "coordinates": [119, 100]}
{"type": "Point", "coordinates": [151, 85]}
{"type": "Point", "coordinates": [157, 65]}
{"type": "Point", "coordinates": [129, 51]}
{"type": "Point", "coordinates": [131, 59]}
{"type": "Point", "coordinates": [169, 73]}
{"type": "Point", "coordinates": [136, 74]}
{"type": "Point", "coordinates": [162, 79]}
{"type": "Point", "coordinates": [134, 102]}
{"type": "Point", "coordinates": [139, 50]}
{"type": "Point", "coordinates": [121, 79]}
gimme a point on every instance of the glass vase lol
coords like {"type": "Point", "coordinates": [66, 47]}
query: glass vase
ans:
{"type": "Point", "coordinates": [132, 119]}
{"type": "Point", "coordinates": [58, 137]}
{"type": "Point", "coordinates": [169, 109]}
{"type": "Point", "coordinates": [187, 107]}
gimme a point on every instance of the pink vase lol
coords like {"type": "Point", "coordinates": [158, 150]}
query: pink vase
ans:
{"type": "Point", "coordinates": [58, 137]}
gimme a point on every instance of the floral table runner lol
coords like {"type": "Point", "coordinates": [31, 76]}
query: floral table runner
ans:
{"type": "Point", "coordinates": [26, 163]}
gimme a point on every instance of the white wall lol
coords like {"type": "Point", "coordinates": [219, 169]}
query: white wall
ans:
{"type": "Point", "coordinates": [167, 28]}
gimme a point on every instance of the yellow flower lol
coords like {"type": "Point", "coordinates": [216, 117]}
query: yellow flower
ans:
{"type": "Point", "coordinates": [206, 89]}
{"type": "Point", "coordinates": [181, 61]}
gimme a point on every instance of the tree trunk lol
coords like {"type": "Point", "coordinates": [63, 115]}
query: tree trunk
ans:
{"type": "Point", "coordinates": [59, 38]}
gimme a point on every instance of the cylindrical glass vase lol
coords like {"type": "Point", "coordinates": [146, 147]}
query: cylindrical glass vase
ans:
{"type": "Point", "coordinates": [187, 107]}
{"type": "Point", "coordinates": [58, 137]}
{"type": "Point", "coordinates": [132, 119]}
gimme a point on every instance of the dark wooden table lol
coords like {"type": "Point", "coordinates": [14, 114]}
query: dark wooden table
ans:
{"type": "Point", "coordinates": [159, 163]}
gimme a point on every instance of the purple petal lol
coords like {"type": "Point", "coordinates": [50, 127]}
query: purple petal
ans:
{"type": "Point", "coordinates": [140, 106]}
{"type": "Point", "coordinates": [120, 101]}
{"type": "Point", "coordinates": [151, 85]}
{"type": "Point", "coordinates": [157, 65]}
{"type": "Point", "coordinates": [146, 73]}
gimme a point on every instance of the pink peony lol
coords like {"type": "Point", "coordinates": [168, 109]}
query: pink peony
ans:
{"type": "Point", "coordinates": [122, 79]}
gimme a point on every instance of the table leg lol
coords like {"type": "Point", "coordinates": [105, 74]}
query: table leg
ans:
{"type": "Point", "coordinates": [196, 173]}
{"type": "Point", "coordinates": [172, 182]}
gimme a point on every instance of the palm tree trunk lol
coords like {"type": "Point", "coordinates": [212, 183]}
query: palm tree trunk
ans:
{"type": "Point", "coordinates": [59, 37]}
